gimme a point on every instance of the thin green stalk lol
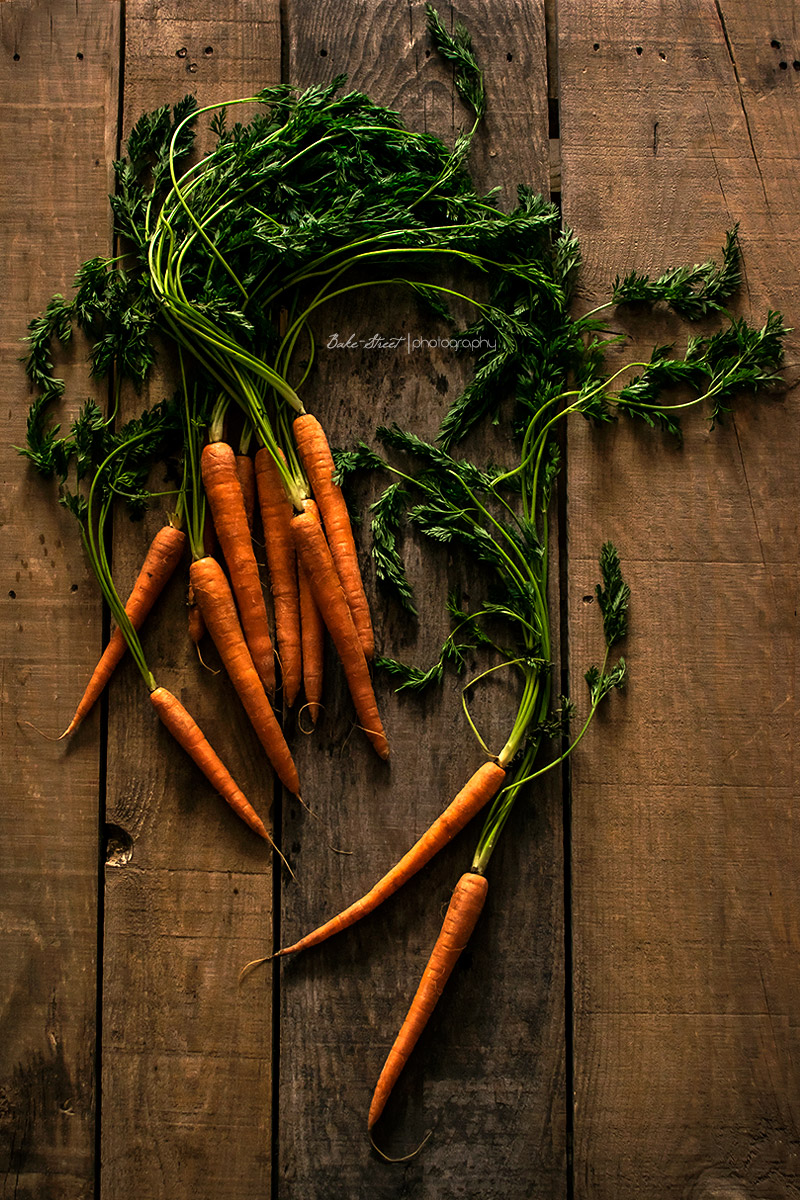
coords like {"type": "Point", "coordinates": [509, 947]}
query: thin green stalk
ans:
{"type": "Point", "coordinates": [94, 543]}
{"type": "Point", "coordinates": [504, 801]}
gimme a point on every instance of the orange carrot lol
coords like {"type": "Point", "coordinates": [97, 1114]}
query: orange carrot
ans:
{"type": "Point", "coordinates": [162, 557]}
{"type": "Point", "coordinates": [276, 516]}
{"type": "Point", "coordinates": [312, 633]}
{"type": "Point", "coordinates": [219, 613]}
{"type": "Point", "coordinates": [224, 494]}
{"type": "Point", "coordinates": [245, 472]}
{"type": "Point", "coordinates": [483, 785]}
{"type": "Point", "coordinates": [315, 455]}
{"type": "Point", "coordinates": [188, 734]}
{"type": "Point", "coordinates": [460, 919]}
{"type": "Point", "coordinates": [314, 555]}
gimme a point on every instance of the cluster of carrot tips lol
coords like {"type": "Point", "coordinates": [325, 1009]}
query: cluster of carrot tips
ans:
{"type": "Point", "coordinates": [219, 492]}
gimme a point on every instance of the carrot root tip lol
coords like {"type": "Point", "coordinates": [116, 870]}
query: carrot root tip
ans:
{"type": "Point", "coordinates": [314, 709]}
{"type": "Point", "coordinates": [49, 736]}
{"type": "Point", "coordinates": [282, 857]}
{"type": "Point", "coordinates": [203, 663]}
{"type": "Point", "coordinates": [308, 808]}
{"type": "Point", "coordinates": [248, 968]}
{"type": "Point", "coordinates": [403, 1158]}
{"type": "Point", "coordinates": [382, 751]}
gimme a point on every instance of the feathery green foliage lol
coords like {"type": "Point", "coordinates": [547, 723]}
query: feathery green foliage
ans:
{"type": "Point", "coordinates": [692, 292]}
{"type": "Point", "coordinates": [228, 259]}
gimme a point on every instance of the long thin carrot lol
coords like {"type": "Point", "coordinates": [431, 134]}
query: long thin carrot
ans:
{"type": "Point", "coordinates": [462, 914]}
{"type": "Point", "coordinates": [483, 785]}
{"type": "Point", "coordinates": [163, 556]}
{"type": "Point", "coordinates": [188, 734]}
{"type": "Point", "coordinates": [224, 494]}
{"type": "Point", "coordinates": [315, 556]}
{"type": "Point", "coordinates": [276, 516]}
{"type": "Point", "coordinates": [312, 634]}
{"type": "Point", "coordinates": [219, 613]}
{"type": "Point", "coordinates": [315, 455]}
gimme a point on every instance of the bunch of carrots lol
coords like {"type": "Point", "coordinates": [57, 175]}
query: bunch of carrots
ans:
{"type": "Point", "coordinates": [314, 578]}
{"type": "Point", "coordinates": [225, 259]}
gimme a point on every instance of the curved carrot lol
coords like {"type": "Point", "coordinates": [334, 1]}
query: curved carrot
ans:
{"type": "Point", "coordinates": [483, 785]}
{"type": "Point", "coordinates": [460, 919]}
{"type": "Point", "coordinates": [276, 516]}
{"type": "Point", "coordinates": [312, 634]}
{"type": "Point", "coordinates": [224, 494]}
{"type": "Point", "coordinates": [315, 556]}
{"type": "Point", "coordinates": [163, 556]}
{"type": "Point", "coordinates": [188, 734]}
{"type": "Point", "coordinates": [219, 613]}
{"type": "Point", "coordinates": [315, 455]}
{"type": "Point", "coordinates": [245, 471]}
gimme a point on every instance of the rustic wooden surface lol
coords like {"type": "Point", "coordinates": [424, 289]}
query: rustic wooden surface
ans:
{"type": "Point", "coordinates": [341, 1007]}
{"type": "Point", "coordinates": [644, 1042]}
{"type": "Point", "coordinates": [685, 863]}
{"type": "Point", "coordinates": [55, 60]}
{"type": "Point", "coordinates": [183, 1049]}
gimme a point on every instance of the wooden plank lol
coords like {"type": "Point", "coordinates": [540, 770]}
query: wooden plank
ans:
{"type": "Point", "coordinates": [685, 922]}
{"type": "Point", "coordinates": [58, 85]}
{"type": "Point", "coordinates": [488, 1072]}
{"type": "Point", "coordinates": [189, 887]}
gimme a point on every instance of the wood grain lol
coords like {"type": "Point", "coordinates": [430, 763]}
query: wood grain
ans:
{"type": "Point", "coordinates": [55, 60]}
{"type": "Point", "coordinates": [188, 888]}
{"type": "Point", "coordinates": [685, 924]}
{"type": "Point", "coordinates": [488, 1072]}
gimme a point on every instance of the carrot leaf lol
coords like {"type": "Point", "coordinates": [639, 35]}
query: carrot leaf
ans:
{"type": "Point", "coordinates": [389, 571]}
{"type": "Point", "coordinates": [457, 49]}
{"type": "Point", "coordinates": [692, 292]}
{"type": "Point", "coordinates": [613, 596]}
{"type": "Point", "coordinates": [602, 682]}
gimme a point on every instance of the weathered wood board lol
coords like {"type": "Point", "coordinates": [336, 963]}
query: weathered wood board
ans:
{"type": "Point", "coordinates": [183, 1048]}
{"type": "Point", "coordinates": [55, 60]}
{"type": "Point", "coordinates": [684, 862]}
{"type": "Point", "coordinates": [130, 1057]}
{"type": "Point", "coordinates": [488, 1074]}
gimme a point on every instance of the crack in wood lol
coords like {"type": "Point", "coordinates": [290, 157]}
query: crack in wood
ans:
{"type": "Point", "coordinates": [742, 104]}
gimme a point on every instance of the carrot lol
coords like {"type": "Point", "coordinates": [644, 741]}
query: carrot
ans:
{"type": "Point", "coordinates": [483, 785]}
{"type": "Point", "coordinates": [315, 556]}
{"type": "Point", "coordinates": [219, 613]}
{"type": "Point", "coordinates": [276, 516]}
{"type": "Point", "coordinates": [188, 734]}
{"type": "Point", "coordinates": [224, 494]}
{"type": "Point", "coordinates": [312, 633]}
{"type": "Point", "coordinates": [162, 557]}
{"type": "Point", "coordinates": [462, 914]}
{"type": "Point", "coordinates": [245, 472]}
{"type": "Point", "coordinates": [315, 455]}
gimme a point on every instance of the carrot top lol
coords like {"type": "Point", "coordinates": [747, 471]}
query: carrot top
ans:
{"type": "Point", "coordinates": [500, 516]}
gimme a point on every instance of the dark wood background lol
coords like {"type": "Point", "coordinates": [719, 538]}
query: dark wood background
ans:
{"type": "Point", "coordinates": [624, 1025]}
